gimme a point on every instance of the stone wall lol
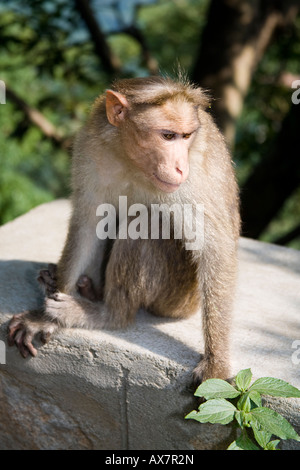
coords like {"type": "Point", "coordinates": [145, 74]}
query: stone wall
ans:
{"type": "Point", "coordinates": [130, 389]}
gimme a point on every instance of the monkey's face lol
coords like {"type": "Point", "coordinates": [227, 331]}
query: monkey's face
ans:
{"type": "Point", "coordinates": [156, 138]}
{"type": "Point", "coordinates": [158, 141]}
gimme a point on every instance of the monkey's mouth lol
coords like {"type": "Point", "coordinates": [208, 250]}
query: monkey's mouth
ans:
{"type": "Point", "coordinates": [165, 185]}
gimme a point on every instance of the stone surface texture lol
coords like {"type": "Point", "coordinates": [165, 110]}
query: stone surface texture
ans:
{"type": "Point", "coordinates": [129, 389]}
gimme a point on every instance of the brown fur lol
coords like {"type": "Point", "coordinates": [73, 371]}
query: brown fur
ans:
{"type": "Point", "coordinates": [118, 152]}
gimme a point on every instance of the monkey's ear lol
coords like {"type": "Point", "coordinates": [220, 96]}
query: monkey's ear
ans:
{"type": "Point", "coordinates": [116, 107]}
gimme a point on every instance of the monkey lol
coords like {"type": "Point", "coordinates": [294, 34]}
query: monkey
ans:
{"type": "Point", "coordinates": [153, 141]}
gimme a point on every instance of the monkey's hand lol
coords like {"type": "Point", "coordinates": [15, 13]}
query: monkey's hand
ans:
{"type": "Point", "coordinates": [211, 367]}
{"type": "Point", "coordinates": [48, 280]}
{"type": "Point", "coordinates": [24, 327]}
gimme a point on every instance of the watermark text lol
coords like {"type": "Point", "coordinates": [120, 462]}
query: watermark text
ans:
{"type": "Point", "coordinates": [160, 221]}
{"type": "Point", "coordinates": [296, 354]}
{"type": "Point", "coordinates": [2, 352]}
{"type": "Point", "coordinates": [2, 92]}
{"type": "Point", "coordinates": [296, 94]}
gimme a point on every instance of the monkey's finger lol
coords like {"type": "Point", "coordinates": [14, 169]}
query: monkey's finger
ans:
{"type": "Point", "coordinates": [45, 336]}
{"type": "Point", "coordinates": [27, 342]}
{"type": "Point", "coordinates": [14, 325]}
{"type": "Point", "coordinates": [23, 340]}
{"type": "Point", "coordinates": [19, 341]}
{"type": "Point", "coordinates": [46, 278]}
{"type": "Point", "coordinates": [11, 339]}
{"type": "Point", "coordinates": [52, 268]}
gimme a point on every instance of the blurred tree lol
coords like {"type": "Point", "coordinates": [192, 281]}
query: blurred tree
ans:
{"type": "Point", "coordinates": [109, 61]}
{"type": "Point", "coordinates": [274, 179]}
{"type": "Point", "coordinates": [234, 40]}
{"type": "Point", "coordinates": [236, 37]}
{"type": "Point", "coordinates": [57, 56]}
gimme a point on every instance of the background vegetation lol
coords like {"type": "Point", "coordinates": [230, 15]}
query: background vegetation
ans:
{"type": "Point", "coordinates": [57, 56]}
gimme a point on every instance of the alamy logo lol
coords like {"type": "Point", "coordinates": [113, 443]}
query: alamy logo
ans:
{"type": "Point", "coordinates": [296, 354]}
{"type": "Point", "coordinates": [186, 221]}
{"type": "Point", "coordinates": [2, 92]}
{"type": "Point", "coordinates": [2, 352]}
{"type": "Point", "coordinates": [296, 94]}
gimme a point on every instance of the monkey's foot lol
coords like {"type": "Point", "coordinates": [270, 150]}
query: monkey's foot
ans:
{"type": "Point", "coordinates": [67, 310]}
{"type": "Point", "coordinates": [210, 368]}
{"type": "Point", "coordinates": [75, 311]}
{"type": "Point", "coordinates": [86, 288]}
{"type": "Point", "coordinates": [48, 280]}
{"type": "Point", "coordinates": [24, 327]}
{"type": "Point", "coordinates": [59, 308]}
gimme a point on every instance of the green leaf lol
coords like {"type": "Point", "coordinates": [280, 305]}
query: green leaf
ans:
{"type": "Point", "coordinates": [272, 445]}
{"type": "Point", "coordinates": [275, 387]}
{"type": "Point", "coordinates": [244, 403]}
{"type": "Point", "coordinates": [216, 388]}
{"type": "Point", "coordinates": [214, 411]}
{"type": "Point", "coordinates": [243, 379]}
{"type": "Point", "coordinates": [255, 398]}
{"type": "Point", "coordinates": [243, 443]}
{"type": "Point", "coordinates": [239, 416]}
{"type": "Point", "coordinates": [192, 415]}
{"type": "Point", "coordinates": [261, 436]}
{"type": "Point", "coordinates": [274, 423]}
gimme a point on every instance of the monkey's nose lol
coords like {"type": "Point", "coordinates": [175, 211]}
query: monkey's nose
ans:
{"type": "Point", "coordinates": [181, 173]}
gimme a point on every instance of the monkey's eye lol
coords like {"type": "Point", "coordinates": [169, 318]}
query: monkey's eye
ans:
{"type": "Point", "coordinates": [186, 136]}
{"type": "Point", "coordinates": [168, 135]}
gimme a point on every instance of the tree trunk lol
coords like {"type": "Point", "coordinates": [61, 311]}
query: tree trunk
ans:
{"type": "Point", "coordinates": [110, 63]}
{"type": "Point", "coordinates": [274, 179]}
{"type": "Point", "coordinates": [235, 38]}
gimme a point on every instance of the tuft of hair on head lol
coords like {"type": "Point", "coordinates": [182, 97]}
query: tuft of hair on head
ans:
{"type": "Point", "coordinates": [156, 90]}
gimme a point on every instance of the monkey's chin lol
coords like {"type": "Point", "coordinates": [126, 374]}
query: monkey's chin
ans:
{"type": "Point", "coordinates": [164, 185]}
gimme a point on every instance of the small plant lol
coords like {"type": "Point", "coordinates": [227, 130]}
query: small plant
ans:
{"type": "Point", "coordinates": [244, 404]}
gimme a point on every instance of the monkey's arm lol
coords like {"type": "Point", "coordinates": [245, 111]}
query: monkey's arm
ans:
{"type": "Point", "coordinates": [83, 254]}
{"type": "Point", "coordinates": [217, 278]}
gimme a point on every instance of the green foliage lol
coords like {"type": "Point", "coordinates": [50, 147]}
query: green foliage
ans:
{"type": "Point", "coordinates": [173, 28]}
{"type": "Point", "coordinates": [48, 58]}
{"type": "Point", "coordinates": [222, 407]}
{"type": "Point", "coordinates": [32, 171]}
{"type": "Point", "coordinates": [52, 76]}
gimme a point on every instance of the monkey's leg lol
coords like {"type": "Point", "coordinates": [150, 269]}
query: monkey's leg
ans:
{"type": "Point", "coordinates": [60, 310]}
{"type": "Point", "coordinates": [25, 326]}
{"type": "Point", "coordinates": [86, 288]}
{"type": "Point", "coordinates": [122, 297]}
{"type": "Point", "coordinates": [48, 281]}
{"type": "Point", "coordinates": [64, 310]}
{"type": "Point", "coordinates": [139, 273]}
{"type": "Point", "coordinates": [156, 274]}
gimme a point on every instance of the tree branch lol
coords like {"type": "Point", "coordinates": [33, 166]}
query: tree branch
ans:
{"type": "Point", "coordinates": [110, 62]}
{"type": "Point", "coordinates": [288, 237]}
{"type": "Point", "coordinates": [150, 62]}
{"type": "Point", "coordinates": [37, 118]}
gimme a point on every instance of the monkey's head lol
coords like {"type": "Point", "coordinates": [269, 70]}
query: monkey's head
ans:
{"type": "Point", "coordinates": [157, 121]}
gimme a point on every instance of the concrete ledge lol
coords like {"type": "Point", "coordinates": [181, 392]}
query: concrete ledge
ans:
{"type": "Point", "coordinates": [129, 389]}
